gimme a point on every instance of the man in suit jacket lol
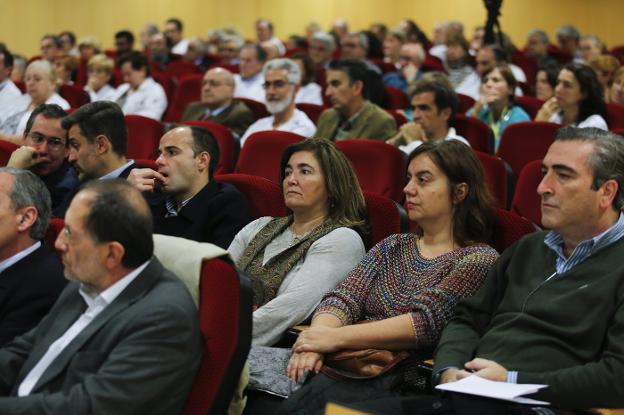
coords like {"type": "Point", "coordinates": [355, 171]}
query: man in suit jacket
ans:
{"type": "Point", "coordinates": [31, 276]}
{"type": "Point", "coordinates": [123, 338]}
{"type": "Point", "coordinates": [352, 115]}
{"type": "Point", "coordinates": [185, 199]}
{"type": "Point", "coordinates": [218, 104]}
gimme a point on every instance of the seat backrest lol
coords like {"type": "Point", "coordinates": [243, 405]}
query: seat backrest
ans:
{"type": "Point", "coordinates": [478, 134]}
{"type": "Point", "coordinates": [530, 104]}
{"type": "Point", "coordinates": [526, 202]}
{"type": "Point", "coordinates": [262, 153]}
{"type": "Point", "coordinates": [146, 164]}
{"type": "Point", "coordinates": [526, 141]}
{"type": "Point", "coordinates": [75, 95]}
{"type": "Point", "coordinates": [465, 103]}
{"type": "Point", "coordinates": [508, 228]}
{"type": "Point", "coordinates": [258, 108]}
{"type": "Point", "coordinates": [225, 322]}
{"type": "Point", "coordinates": [615, 116]}
{"type": "Point", "coordinates": [179, 68]}
{"type": "Point", "coordinates": [232, 67]}
{"type": "Point", "coordinates": [432, 64]}
{"type": "Point", "coordinates": [386, 217]}
{"type": "Point", "coordinates": [167, 83]}
{"type": "Point", "coordinates": [396, 99]}
{"type": "Point", "coordinates": [495, 176]}
{"type": "Point", "coordinates": [228, 145]}
{"type": "Point", "coordinates": [380, 167]}
{"type": "Point", "coordinates": [399, 118]}
{"type": "Point", "coordinates": [189, 90]}
{"type": "Point", "coordinates": [55, 226]}
{"type": "Point", "coordinates": [143, 136]}
{"type": "Point", "coordinates": [6, 149]}
{"type": "Point", "coordinates": [313, 111]}
{"type": "Point", "coordinates": [264, 197]}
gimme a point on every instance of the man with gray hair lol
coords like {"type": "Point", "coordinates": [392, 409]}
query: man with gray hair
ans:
{"type": "Point", "coordinates": [591, 47]}
{"type": "Point", "coordinates": [322, 46]}
{"type": "Point", "coordinates": [249, 79]}
{"type": "Point", "coordinates": [31, 274]}
{"type": "Point", "coordinates": [229, 48]}
{"type": "Point", "coordinates": [537, 47]}
{"type": "Point", "coordinates": [568, 38]}
{"type": "Point", "coordinates": [282, 78]}
{"type": "Point", "coordinates": [355, 46]}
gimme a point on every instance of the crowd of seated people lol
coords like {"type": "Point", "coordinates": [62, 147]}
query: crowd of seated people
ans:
{"type": "Point", "coordinates": [439, 292]}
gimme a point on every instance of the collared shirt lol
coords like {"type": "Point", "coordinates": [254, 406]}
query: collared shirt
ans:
{"type": "Point", "coordinates": [451, 134]}
{"type": "Point", "coordinates": [250, 88]}
{"type": "Point", "coordinates": [298, 123]}
{"type": "Point", "coordinates": [21, 254]}
{"type": "Point", "coordinates": [343, 129]}
{"type": "Point", "coordinates": [115, 173]}
{"type": "Point", "coordinates": [96, 303]}
{"type": "Point", "coordinates": [172, 206]}
{"type": "Point", "coordinates": [148, 100]}
{"type": "Point", "coordinates": [217, 111]}
{"type": "Point", "coordinates": [4, 83]}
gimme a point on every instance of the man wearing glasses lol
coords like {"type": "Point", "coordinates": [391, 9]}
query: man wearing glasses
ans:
{"type": "Point", "coordinates": [44, 151]}
{"type": "Point", "coordinates": [281, 83]}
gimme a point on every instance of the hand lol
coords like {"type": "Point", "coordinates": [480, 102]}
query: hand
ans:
{"type": "Point", "coordinates": [413, 131]}
{"type": "Point", "coordinates": [453, 375]}
{"type": "Point", "coordinates": [549, 108]}
{"type": "Point", "coordinates": [24, 158]}
{"type": "Point", "coordinates": [300, 362]}
{"type": "Point", "coordinates": [409, 72]}
{"type": "Point", "coordinates": [144, 179]}
{"type": "Point", "coordinates": [487, 369]}
{"type": "Point", "coordinates": [320, 339]}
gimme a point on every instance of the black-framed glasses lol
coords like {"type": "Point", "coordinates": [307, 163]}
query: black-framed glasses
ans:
{"type": "Point", "coordinates": [53, 142]}
{"type": "Point", "coordinates": [275, 84]}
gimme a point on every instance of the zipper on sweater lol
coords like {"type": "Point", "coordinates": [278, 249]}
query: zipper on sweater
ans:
{"type": "Point", "coordinates": [535, 289]}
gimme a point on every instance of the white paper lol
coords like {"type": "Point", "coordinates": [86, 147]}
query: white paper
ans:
{"type": "Point", "coordinates": [475, 385]}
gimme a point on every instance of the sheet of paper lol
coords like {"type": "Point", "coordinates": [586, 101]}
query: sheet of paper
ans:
{"type": "Point", "coordinates": [475, 385]}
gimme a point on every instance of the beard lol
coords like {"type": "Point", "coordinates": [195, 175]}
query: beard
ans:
{"type": "Point", "coordinates": [275, 107]}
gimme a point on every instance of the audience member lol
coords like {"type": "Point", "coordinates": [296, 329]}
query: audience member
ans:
{"type": "Point", "coordinates": [140, 94]}
{"type": "Point", "coordinates": [148, 30]}
{"type": "Point", "coordinates": [122, 334]}
{"type": "Point", "coordinates": [435, 105]}
{"type": "Point", "coordinates": [321, 49]}
{"type": "Point", "coordinates": [578, 99]}
{"type": "Point", "coordinates": [173, 32]}
{"type": "Point", "coordinates": [487, 56]}
{"type": "Point", "coordinates": [495, 105]}
{"type": "Point", "coordinates": [546, 81]}
{"type": "Point", "coordinates": [292, 261]}
{"type": "Point", "coordinates": [605, 66]}
{"type": "Point", "coordinates": [249, 80]}
{"type": "Point", "coordinates": [50, 46]}
{"type": "Point", "coordinates": [68, 39]}
{"type": "Point", "coordinates": [184, 198]}
{"type": "Point", "coordinates": [88, 46]}
{"type": "Point", "coordinates": [392, 43]}
{"type": "Point", "coordinates": [537, 47]}
{"type": "Point", "coordinates": [311, 29]}
{"type": "Point", "coordinates": [310, 92]}
{"type": "Point", "coordinates": [32, 275]}
{"type": "Point", "coordinates": [229, 48]}
{"type": "Point", "coordinates": [99, 73]}
{"type": "Point", "coordinates": [339, 29]}
{"type": "Point", "coordinates": [44, 151]}
{"type": "Point", "coordinates": [356, 46]}
{"type": "Point", "coordinates": [450, 31]}
{"type": "Point", "coordinates": [408, 285]}
{"type": "Point", "coordinates": [124, 42]}
{"type": "Point", "coordinates": [281, 83]}
{"type": "Point", "coordinates": [591, 47]}
{"type": "Point", "coordinates": [411, 58]}
{"type": "Point", "coordinates": [160, 53]}
{"type": "Point", "coordinates": [380, 30]}
{"type": "Point", "coordinates": [65, 67]}
{"type": "Point", "coordinates": [477, 40]}
{"type": "Point", "coordinates": [218, 104]}
{"type": "Point", "coordinates": [264, 33]}
{"type": "Point", "coordinates": [617, 88]}
{"type": "Point", "coordinates": [352, 115]}
{"type": "Point", "coordinates": [457, 63]}
{"type": "Point", "coordinates": [568, 38]}
{"type": "Point", "coordinates": [9, 93]}
{"type": "Point", "coordinates": [19, 68]}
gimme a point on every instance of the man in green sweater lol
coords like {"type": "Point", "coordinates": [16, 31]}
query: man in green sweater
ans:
{"type": "Point", "coordinates": [552, 309]}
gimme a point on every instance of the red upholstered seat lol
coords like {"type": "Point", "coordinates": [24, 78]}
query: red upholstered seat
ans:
{"type": "Point", "coordinates": [476, 132]}
{"type": "Point", "coordinates": [385, 216]}
{"type": "Point", "coordinates": [508, 228]}
{"type": "Point", "coordinates": [615, 116]}
{"type": "Point", "coordinates": [229, 66]}
{"type": "Point", "coordinates": [264, 197]}
{"type": "Point", "coordinates": [55, 226]}
{"type": "Point", "coordinates": [397, 100]}
{"type": "Point", "coordinates": [313, 111]}
{"type": "Point", "coordinates": [465, 103]}
{"type": "Point", "coordinates": [225, 299]}
{"type": "Point", "coordinates": [262, 153]}
{"type": "Point", "coordinates": [6, 149]}
{"type": "Point", "coordinates": [146, 164]}
{"type": "Point", "coordinates": [189, 90]}
{"type": "Point", "coordinates": [530, 104]}
{"type": "Point", "coordinates": [495, 176]}
{"type": "Point", "coordinates": [180, 68]}
{"type": "Point", "coordinates": [143, 136]}
{"type": "Point", "coordinates": [380, 167]}
{"type": "Point", "coordinates": [399, 118]}
{"type": "Point", "coordinates": [228, 146]}
{"type": "Point", "coordinates": [258, 108]}
{"type": "Point", "coordinates": [526, 202]}
{"type": "Point", "coordinates": [75, 95]}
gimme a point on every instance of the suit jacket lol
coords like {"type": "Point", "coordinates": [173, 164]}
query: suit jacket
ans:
{"type": "Point", "coordinates": [214, 215]}
{"type": "Point", "coordinates": [372, 122]}
{"type": "Point", "coordinates": [237, 117]}
{"type": "Point", "coordinates": [138, 356]}
{"type": "Point", "coordinates": [60, 183]}
{"type": "Point", "coordinates": [28, 289]}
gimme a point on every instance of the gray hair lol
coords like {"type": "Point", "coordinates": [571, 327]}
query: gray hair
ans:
{"type": "Point", "coordinates": [232, 38]}
{"type": "Point", "coordinates": [294, 72]}
{"type": "Point", "coordinates": [541, 34]}
{"type": "Point", "coordinates": [568, 31]}
{"type": "Point", "coordinates": [29, 190]}
{"type": "Point", "coordinates": [329, 44]}
{"type": "Point", "coordinates": [606, 161]}
{"type": "Point", "coordinates": [151, 28]}
{"type": "Point", "coordinates": [362, 38]}
{"type": "Point", "coordinates": [43, 66]}
{"type": "Point", "coordinates": [595, 39]}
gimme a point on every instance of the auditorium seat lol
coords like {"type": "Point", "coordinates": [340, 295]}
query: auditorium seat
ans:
{"type": "Point", "coordinates": [386, 217]}
{"type": "Point", "coordinates": [264, 197]}
{"type": "Point", "coordinates": [143, 136]}
{"type": "Point", "coordinates": [476, 132]}
{"type": "Point", "coordinates": [146, 164]}
{"type": "Point", "coordinates": [526, 202]}
{"type": "Point", "coordinates": [228, 145]}
{"type": "Point", "coordinates": [380, 167]}
{"type": "Point", "coordinates": [75, 95]}
{"type": "Point", "coordinates": [55, 226]}
{"type": "Point", "coordinates": [399, 118]}
{"type": "Point", "coordinates": [6, 149]}
{"type": "Point", "coordinates": [615, 116]}
{"type": "Point", "coordinates": [313, 111]}
{"type": "Point", "coordinates": [529, 104]}
{"type": "Point", "coordinates": [262, 153]}
{"type": "Point", "coordinates": [189, 90]}
{"type": "Point", "coordinates": [258, 108]}
{"type": "Point", "coordinates": [508, 228]}
{"type": "Point", "coordinates": [495, 177]}
{"type": "Point", "coordinates": [396, 99]}
{"type": "Point", "coordinates": [465, 103]}
{"type": "Point", "coordinates": [180, 68]}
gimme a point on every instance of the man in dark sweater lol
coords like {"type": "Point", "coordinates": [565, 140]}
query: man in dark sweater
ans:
{"type": "Point", "coordinates": [185, 199]}
{"type": "Point", "coordinates": [552, 309]}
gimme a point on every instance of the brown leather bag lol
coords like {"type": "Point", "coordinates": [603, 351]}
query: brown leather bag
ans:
{"type": "Point", "coordinates": [361, 364]}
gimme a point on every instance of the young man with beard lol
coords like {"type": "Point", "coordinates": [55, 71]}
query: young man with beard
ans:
{"type": "Point", "coordinates": [282, 78]}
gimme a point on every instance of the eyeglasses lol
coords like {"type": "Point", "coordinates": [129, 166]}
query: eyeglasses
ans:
{"type": "Point", "coordinates": [212, 83]}
{"type": "Point", "coordinates": [54, 143]}
{"type": "Point", "coordinates": [275, 84]}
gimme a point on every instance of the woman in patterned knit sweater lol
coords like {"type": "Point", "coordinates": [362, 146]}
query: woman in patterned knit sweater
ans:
{"type": "Point", "coordinates": [408, 284]}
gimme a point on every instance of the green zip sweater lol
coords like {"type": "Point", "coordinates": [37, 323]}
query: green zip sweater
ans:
{"type": "Point", "coordinates": [567, 332]}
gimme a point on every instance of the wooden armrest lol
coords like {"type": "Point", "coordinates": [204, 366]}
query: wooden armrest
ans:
{"type": "Point", "coordinates": [336, 409]}
{"type": "Point", "coordinates": [603, 411]}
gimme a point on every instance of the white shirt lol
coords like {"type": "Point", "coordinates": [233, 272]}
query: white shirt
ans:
{"type": "Point", "coordinates": [311, 93]}
{"type": "Point", "coordinates": [250, 88]}
{"type": "Point", "coordinates": [180, 47]}
{"type": "Point", "coordinates": [106, 93]}
{"type": "Point", "coordinates": [54, 99]}
{"type": "Point", "coordinates": [9, 95]}
{"type": "Point", "coordinates": [471, 85]}
{"type": "Point", "coordinates": [450, 135]}
{"type": "Point", "coordinates": [592, 121]}
{"type": "Point", "coordinates": [439, 51]}
{"type": "Point", "coordinates": [299, 123]}
{"type": "Point", "coordinates": [149, 100]}
{"type": "Point", "coordinates": [96, 303]}
{"type": "Point", "coordinates": [21, 254]}
{"type": "Point", "coordinates": [115, 173]}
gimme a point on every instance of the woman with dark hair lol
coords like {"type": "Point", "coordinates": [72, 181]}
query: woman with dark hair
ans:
{"type": "Point", "coordinates": [309, 91]}
{"type": "Point", "coordinates": [407, 286]}
{"type": "Point", "coordinates": [578, 99]}
{"type": "Point", "coordinates": [294, 260]}
{"type": "Point", "coordinates": [546, 81]}
{"type": "Point", "coordinates": [495, 105]}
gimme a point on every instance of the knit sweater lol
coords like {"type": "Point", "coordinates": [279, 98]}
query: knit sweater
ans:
{"type": "Point", "coordinates": [393, 279]}
{"type": "Point", "coordinates": [567, 332]}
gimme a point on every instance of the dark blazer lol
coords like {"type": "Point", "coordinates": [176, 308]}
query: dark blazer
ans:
{"type": "Point", "coordinates": [138, 356]}
{"type": "Point", "coordinates": [373, 122]}
{"type": "Point", "coordinates": [214, 215]}
{"type": "Point", "coordinates": [28, 289]}
{"type": "Point", "coordinates": [237, 117]}
{"type": "Point", "coordinates": [60, 183]}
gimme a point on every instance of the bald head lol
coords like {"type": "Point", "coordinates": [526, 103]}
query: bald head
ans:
{"type": "Point", "coordinates": [217, 88]}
